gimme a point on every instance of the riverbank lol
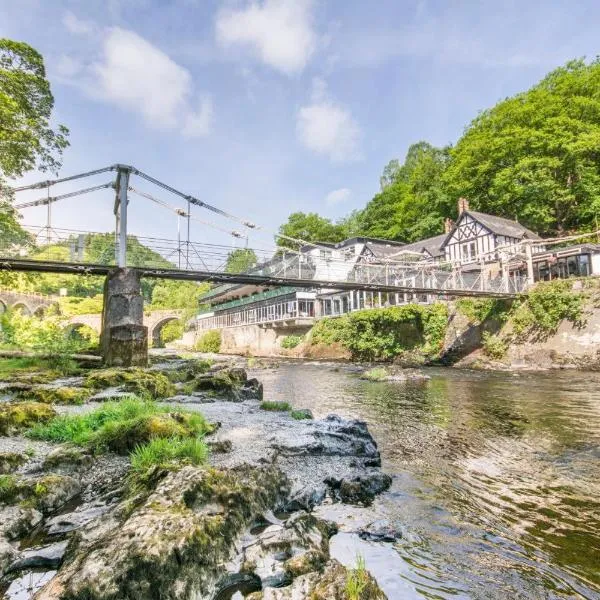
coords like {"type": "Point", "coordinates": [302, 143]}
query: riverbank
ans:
{"type": "Point", "coordinates": [90, 508]}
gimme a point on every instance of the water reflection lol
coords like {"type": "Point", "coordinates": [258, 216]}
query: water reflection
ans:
{"type": "Point", "coordinates": [496, 476]}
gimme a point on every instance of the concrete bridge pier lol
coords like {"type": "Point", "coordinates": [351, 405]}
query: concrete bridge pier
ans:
{"type": "Point", "coordinates": [124, 338]}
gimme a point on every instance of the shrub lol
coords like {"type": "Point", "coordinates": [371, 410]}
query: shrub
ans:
{"type": "Point", "coordinates": [291, 341]}
{"type": "Point", "coordinates": [209, 342]}
{"type": "Point", "coordinates": [478, 310]}
{"type": "Point", "coordinates": [494, 346]}
{"type": "Point", "coordinates": [276, 405]}
{"type": "Point", "coordinates": [385, 333]}
{"type": "Point", "coordinates": [172, 331]}
{"type": "Point", "coordinates": [357, 580]}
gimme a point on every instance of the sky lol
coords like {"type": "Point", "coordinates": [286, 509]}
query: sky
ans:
{"type": "Point", "coordinates": [266, 107]}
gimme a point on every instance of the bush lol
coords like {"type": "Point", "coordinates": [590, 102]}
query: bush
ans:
{"type": "Point", "coordinates": [209, 342]}
{"type": "Point", "coordinates": [276, 406]}
{"type": "Point", "coordinates": [478, 310]}
{"type": "Point", "coordinates": [291, 341]}
{"type": "Point", "coordinates": [494, 346]}
{"type": "Point", "coordinates": [172, 331]}
{"type": "Point", "coordinates": [385, 333]}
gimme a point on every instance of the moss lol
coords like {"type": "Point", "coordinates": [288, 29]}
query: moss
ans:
{"type": "Point", "coordinates": [301, 414]}
{"type": "Point", "coordinates": [224, 382]}
{"type": "Point", "coordinates": [10, 461]}
{"type": "Point", "coordinates": [308, 562]}
{"type": "Point", "coordinates": [144, 383]}
{"type": "Point", "coordinates": [377, 374]}
{"type": "Point", "coordinates": [9, 489]}
{"type": "Point", "coordinates": [63, 395]}
{"type": "Point", "coordinates": [15, 416]}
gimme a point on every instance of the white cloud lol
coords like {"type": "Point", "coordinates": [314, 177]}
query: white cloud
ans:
{"type": "Point", "coordinates": [279, 31]}
{"type": "Point", "coordinates": [68, 67]}
{"type": "Point", "coordinates": [76, 25]}
{"type": "Point", "coordinates": [137, 76]}
{"type": "Point", "coordinates": [328, 128]}
{"type": "Point", "coordinates": [337, 196]}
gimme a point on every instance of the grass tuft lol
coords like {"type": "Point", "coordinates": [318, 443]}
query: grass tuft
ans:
{"type": "Point", "coordinates": [276, 405]}
{"type": "Point", "coordinates": [167, 452]}
{"type": "Point", "coordinates": [376, 374]}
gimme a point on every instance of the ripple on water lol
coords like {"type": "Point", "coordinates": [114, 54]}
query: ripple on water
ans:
{"type": "Point", "coordinates": [496, 478]}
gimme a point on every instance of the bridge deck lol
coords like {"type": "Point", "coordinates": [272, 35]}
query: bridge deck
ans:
{"type": "Point", "coordinates": [44, 266]}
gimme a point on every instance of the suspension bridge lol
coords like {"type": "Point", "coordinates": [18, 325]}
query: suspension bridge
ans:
{"type": "Point", "coordinates": [124, 258]}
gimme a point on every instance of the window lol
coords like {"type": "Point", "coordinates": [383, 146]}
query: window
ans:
{"type": "Point", "coordinates": [468, 251]}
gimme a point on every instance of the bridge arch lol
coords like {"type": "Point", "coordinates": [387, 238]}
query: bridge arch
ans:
{"type": "Point", "coordinates": [22, 307]}
{"type": "Point", "coordinates": [3, 306]}
{"type": "Point", "coordinates": [156, 330]}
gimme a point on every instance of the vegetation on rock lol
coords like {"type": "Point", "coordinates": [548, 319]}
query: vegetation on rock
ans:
{"type": "Point", "coordinates": [276, 406]}
{"type": "Point", "coordinates": [62, 395]}
{"type": "Point", "coordinates": [141, 382]}
{"type": "Point", "coordinates": [16, 416]}
{"type": "Point", "coordinates": [376, 374]}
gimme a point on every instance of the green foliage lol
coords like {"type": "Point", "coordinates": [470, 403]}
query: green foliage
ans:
{"type": "Point", "coordinates": [9, 488]}
{"type": "Point", "coordinates": [376, 374]}
{"type": "Point", "coordinates": [26, 102]}
{"type": "Point", "coordinates": [545, 306]}
{"type": "Point", "coordinates": [144, 383]}
{"type": "Point", "coordinates": [38, 370]}
{"type": "Point", "coordinates": [385, 333]}
{"type": "Point", "coordinates": [172, 331]}
{"type": "Point", "coordinates": [301, 414]}
{"type": "Point", "coordinates": [494, 346]}
{"type": "Point", "coordinates": [291, 341]}
{"type": "Point", "coordinates": [122, 426]}
{"type": "Point", "coordinates": [535, 155]}
{"type": "Point", "coordinates": [276, 406]}
{"type": "Point", "coordinates": [478, 310]}
{"type": "Point", "coordinates": [309, 227]}
{"type": "Point", "coordinates": [183, 295]}
{"type": "Point", "coordinates": [357, 580]}
{"type": "Point", "coordinates": [70, 306]}
{"type": "Point", "coordinates": [61, 395]}
{"type": "Point", "coordinates": [166, 453]}
{"type": "Point", "coordinates": [209, 342]}
{"type": "Point", "coordinates": [240, 260]}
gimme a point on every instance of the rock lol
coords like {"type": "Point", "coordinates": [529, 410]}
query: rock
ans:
{"type": "Point", "coordinates": [232, 384]}
{"type": "Point", "coordinates": [53, 491]}
{"type": "Point", "coordinates": [360, 489]}
{"type": "Point", "coordinates": [63, 524]}
{"type": "Point", "coordinates": [332, 436]}
{"type": "Point", "coordinates": [48, 557]}
{"type": "Point", "coordinates": [380, 531]}
{"type": "Point", "coordinates": [67, 458]}
{"type": "Point", "coordinates": [236, 582]}
{"type": "Point", "coordinates": [220, 446]}
{"type": "Point", "coordinates": [8, 554]}
{"type": "Point", "coordinates": [15, 416]}
{"type": "Point", "coordinates": [109, 394]}
{"type": "Point", "coordinates": [170, 543]}
{"type": "Point", "coordinates": [307, 498]}
{"type": "Point", "coordinates": [18, 521]}
{"type": "Point", "coordinates": [10, 461]}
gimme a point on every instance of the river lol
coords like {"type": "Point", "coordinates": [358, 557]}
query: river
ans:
{"type": "Point", "coordinates": [496, 478]}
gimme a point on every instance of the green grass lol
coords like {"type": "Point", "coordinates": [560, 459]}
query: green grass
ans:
{"type": "Point", "coordinates": [376, 374]}
{"type": "Point", "coordinates": [122, 426]}
{"type": "Point", "coordinates": [166, 452]}
{"type": "Point", "coordinates": [276, 405]}
{"type": "Point", "coordinates": [300, 415]}
{"type": "Point", "coordinates": [8, 488]}
{"type": "Point", "coordinates": [357, 580]}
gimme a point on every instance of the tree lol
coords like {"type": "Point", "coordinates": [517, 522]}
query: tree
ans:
{"type": "Point", "coordinates": [413, 206]}
{"type": "Point", "coordinates": [390, 173]}
{"type": "Point", "coordinates": [309, 227]}
{"type": "Point", "coordinates": [26, 102]}
{"type": "Point", "coordinates": [536, 156]}
{"type": "Point", "coordinates": [241, 260]}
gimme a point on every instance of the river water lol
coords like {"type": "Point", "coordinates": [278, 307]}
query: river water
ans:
{"type": "Point", "coordinates": [496, 478]}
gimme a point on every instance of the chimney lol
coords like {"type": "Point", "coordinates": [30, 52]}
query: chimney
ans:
{"type": "Point", "coordinates": [463, 204]}
{"type": "Point", "coordinates": [448, 225]}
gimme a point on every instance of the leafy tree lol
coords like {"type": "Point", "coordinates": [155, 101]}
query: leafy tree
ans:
{"type": "Point", "coordinates": [310, 227]}
{"type": "Point", "coordinates": [536, 156]}
{"type": "Point", "coordinates": [390, 174]}
{"type": "Point", "coordinates": [178, 294]}
{"type": "Point", "coordinates": [240, 260]}
{"type": "Point", "coordinates": [26, 102]}
{"type": "Point", "coordinates": [413, 206]}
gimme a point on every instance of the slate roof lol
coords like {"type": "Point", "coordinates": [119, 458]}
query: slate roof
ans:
{"type": "Point", "coordinates": [502, 226]}
{"type": "Point", "coordinates": [432, 245]}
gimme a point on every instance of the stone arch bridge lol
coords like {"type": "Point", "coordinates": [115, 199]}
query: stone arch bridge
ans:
{"type": "Point", "coordinates": [29, 303]}
{"type": "Point", "coordinates": [154, 321]}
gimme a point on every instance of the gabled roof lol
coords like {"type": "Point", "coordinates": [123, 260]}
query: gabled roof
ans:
{"type": "Point", "coordinates": [432, 246]}
{"type": "Point", "coordinates": [497, 225]}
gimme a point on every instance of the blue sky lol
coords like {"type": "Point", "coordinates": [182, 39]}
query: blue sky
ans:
{"type": "Point", "coordinates": [267, 107]}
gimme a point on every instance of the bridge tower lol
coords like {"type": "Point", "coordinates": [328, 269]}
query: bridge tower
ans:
{"type": "Point", "coordinates": [124, 339]}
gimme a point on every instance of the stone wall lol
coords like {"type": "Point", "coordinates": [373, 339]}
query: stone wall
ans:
{"type": "Point", "coordinates": [259, 341]}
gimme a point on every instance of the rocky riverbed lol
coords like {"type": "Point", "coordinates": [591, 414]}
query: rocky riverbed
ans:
{"type": "Point", "coordinates": [77, 521]}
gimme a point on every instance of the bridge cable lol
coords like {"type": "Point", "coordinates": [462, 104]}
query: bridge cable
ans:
{"type": "Point", "coordinates": [51, 199]}
{"type": "Point", "coordinates": [49, 182]}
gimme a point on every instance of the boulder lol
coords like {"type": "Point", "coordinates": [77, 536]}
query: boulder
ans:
{"type": "Point", "coordinates": [381, 530]}
{"type": "Point", "coordinates": [47, 557]}
{"type": "Point", "coordinates": [361, 489]}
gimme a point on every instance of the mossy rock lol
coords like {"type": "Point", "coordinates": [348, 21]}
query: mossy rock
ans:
{"type": "Point", "coordinates": [304, 563]}
{"type": "Point", "coordinates": [143, 383]}
{"type": "Point", "coordinates": [336, 582]}
{"type": "Point", "coordinates": [62, 395]}
{"type": "Point", "coordinates": [68, 458]}
{"type": "Point", "coordinates": [10, 461]}
{"type": "Point", "coordinates": [45, 493]}
{"type": "Point", "coordinates": [15, 416]}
